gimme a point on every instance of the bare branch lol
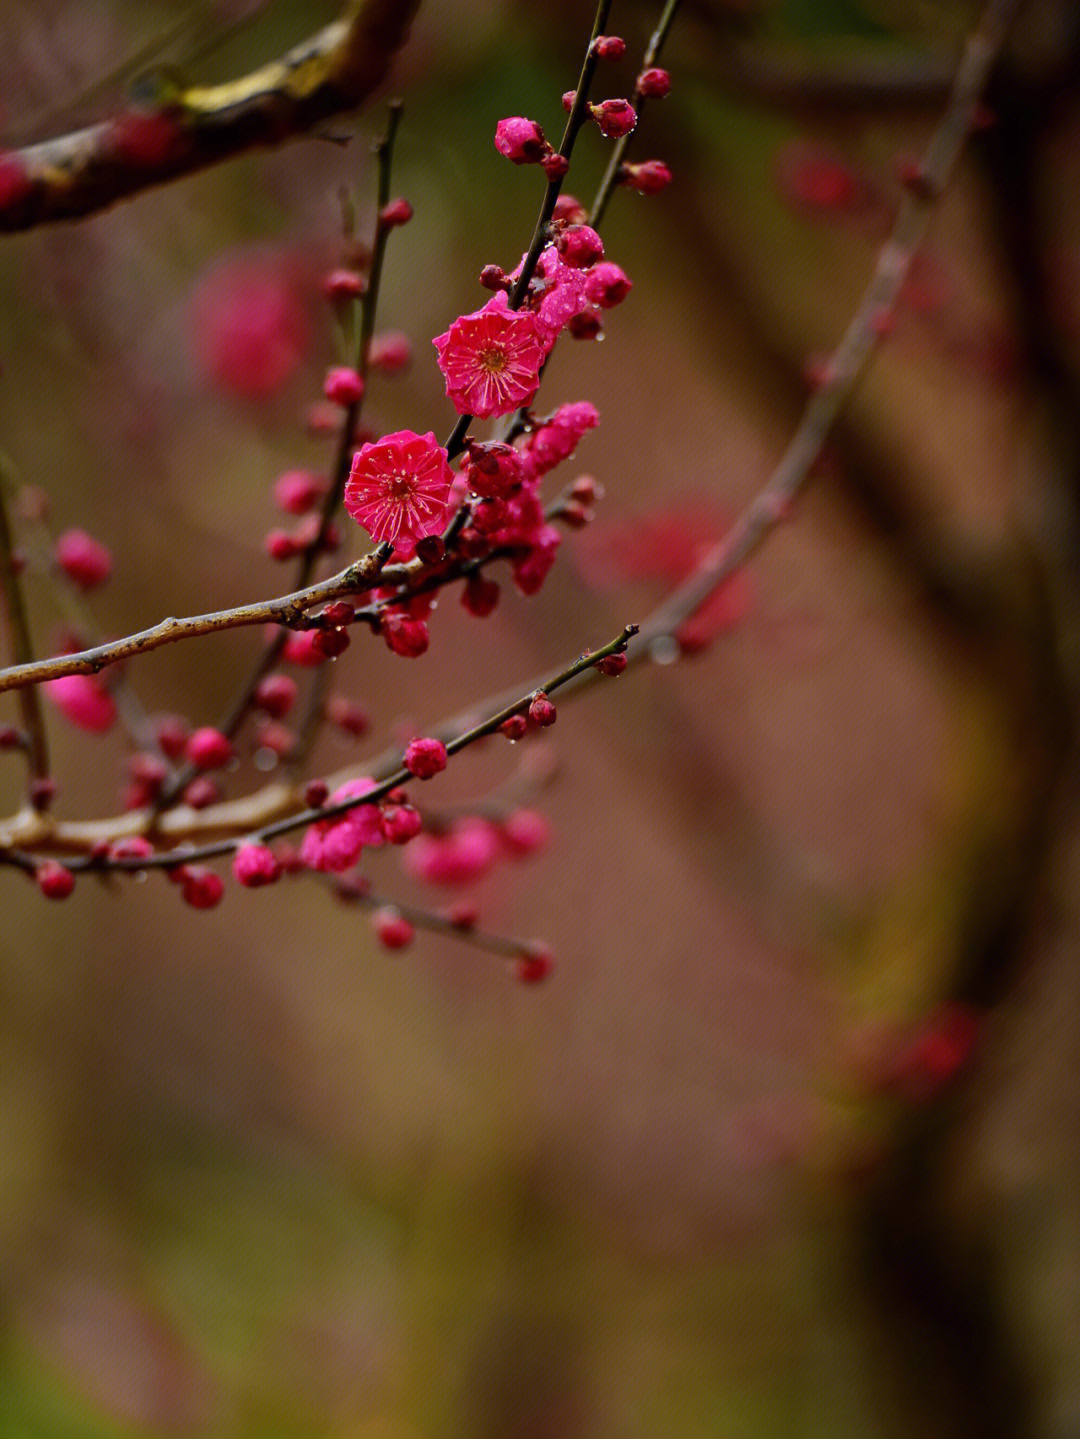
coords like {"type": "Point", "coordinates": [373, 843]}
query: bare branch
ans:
{"type": "Point", "coordinates": [331, 73]}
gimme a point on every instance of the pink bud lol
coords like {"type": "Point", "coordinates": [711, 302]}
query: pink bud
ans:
{"type": "Point", "coordinates": [607, 285]}
{"type": "Point", "coordinates": [330, 643]}
{"type": "Point", "coordinates": [480, 596]}
{"type": "Point", "coordinates": [520, 140]}
{"type": "Point", "coordinates": [15, 183]}
{"type": "Point", "coordinates": [391, 353]}
{"type": "Point", "coordinates": [208, 748]}
{"type": "Point", "coordinates": [296, 491]}
{"type": "Point", "coordinates": [343, 284]}
{"type": "Point", "coordinates": [611, 664]}
{"type": "Point", "coordinates": [654, 83]}
{"type": "Point", "coordinates": [280, 545]}
{"type": "Point", "coordinates": [580, 247]}
{"type": "Point", "coordinates": [534, 964]}
{"type": "Point", "coordinates": [525, 831]}
{"type": "Point", "coordinates": [85, 562]}
{"type": "Point", "coordinates": [647, 178]}
{"type": "Point", "coordinates": [343, 386]}
{"type": "Point", "coordinates": [54, 880]}
{"type": "Point", "coordinates": [347, 716]}
{"type": "Point", "coordinates": [609, 47]}
{"type": "Point", "coordinates": [392, 929]}
{"type": "Point", "coordinates": [255, 865]}
{"type": "Point", "coordinates": [569, 210]}
{"type": "Point", "coordinates": [542, 711]}
{"type": "Point", "coordinates": [202, 792]}
{"type": "Point", "coordinates": [132, 847]}
{"type": "Point", "coordinates": [83, 700]}
{"type": "Point", "coordinates": [425, 758]}
{"type": "Point", "coordinates": [202, 888]}
{"type": "Point", "coordinates": [401, 823]}
{"type": "Point", "coordinates": [615, 117]}
{"type": "Point", "coordinates": [494, 469]}
{"type": "Point", "coordinates": [275, 695]}
{"type": "Point", "coordinates": [405, 636]}
{"type": "Point", "coordinates": [397, 212]}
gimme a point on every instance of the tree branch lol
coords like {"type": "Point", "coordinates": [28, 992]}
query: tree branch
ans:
{"type": "Point", "coordinates": [331, 73]}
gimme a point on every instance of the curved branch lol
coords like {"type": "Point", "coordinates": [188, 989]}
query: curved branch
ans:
{"type": "Point", "coordinates": [330, 73]}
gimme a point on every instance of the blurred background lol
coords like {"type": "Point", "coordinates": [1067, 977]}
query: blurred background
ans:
{"type": "Point", "coordinates": [787, 1144]}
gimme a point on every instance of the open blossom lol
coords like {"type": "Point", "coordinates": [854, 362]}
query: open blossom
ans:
{"type": "Point", "coordinates": [334, 845]}
{"type": "Point", "coordinates": [399, 488]}
{"type": "Point", "coordinates": [491, 359]}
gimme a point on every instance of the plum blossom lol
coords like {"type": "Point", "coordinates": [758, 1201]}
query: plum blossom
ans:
{"type": "Point", "coordinates": [491, 359]}
{"type": "Point", "coordinates": [399, 488]}
{"type": "Point", "coordinates": [333, 845]}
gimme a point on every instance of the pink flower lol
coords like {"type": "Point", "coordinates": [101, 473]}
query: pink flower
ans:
{"type": "Point", "coordinates": [556, 441]}
{"type": "Point", "coordinates": [465, 852]}
{"type": "Point", "coordinates": [251, 330]}
{"type": "Point", "coordinates": [491, 359]}
{"type": "Point", "coordinates": [84, 700]}
{"type": "Point", "coordinates": [334, 845]}
{"type": "Point", "coordinates": [556, 295]}
{"type": "Point", "coordinates": [399, 488]}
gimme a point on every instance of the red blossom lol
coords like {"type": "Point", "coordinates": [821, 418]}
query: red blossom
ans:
{"type": "Point", "coordinates": [491, 359]}
{"type": "Point", "coordinates": [399, 488]}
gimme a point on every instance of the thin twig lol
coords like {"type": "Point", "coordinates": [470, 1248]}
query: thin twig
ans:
{"type": "Point", "coordinates": [618, 154]}
{"type": "Point", "coordinates": [254, 815]}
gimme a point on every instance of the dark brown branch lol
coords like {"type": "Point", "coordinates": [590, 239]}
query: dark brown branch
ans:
{"type": "Point", "coordinates": [329, 74]}
{"type": "Point", "coordinates": [18, 628]}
